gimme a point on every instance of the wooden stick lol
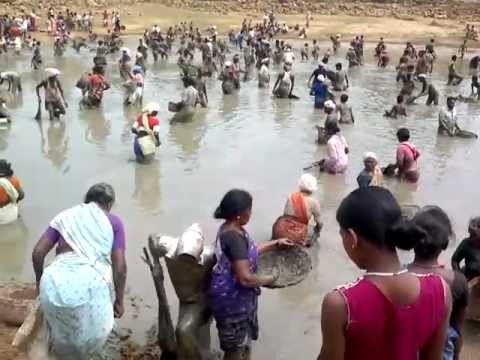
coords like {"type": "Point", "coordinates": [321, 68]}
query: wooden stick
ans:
{"type": "Point", "coordinates": [166, 331]}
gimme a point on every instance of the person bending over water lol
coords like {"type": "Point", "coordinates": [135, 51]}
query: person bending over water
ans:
{"type": "Point", "coordinates": [438, 231]}
{"type": "Point", "coordinates": [389, 312]}
{"type": "Point", "coordinates": [469, 252]}
{"type": "Point", "coordinates": [300, 208]}
{"type": "Point", "coordinates": [146, 128]}
{"type": "Point", "coordinates": [427, 89]}
{"type": "Point", "coordinates": [82, 290]}
{"type": "Point", "coordinates": [13, 81]}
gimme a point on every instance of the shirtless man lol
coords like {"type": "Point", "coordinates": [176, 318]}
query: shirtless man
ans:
{"type": "Point", "coordinates": [427, 89]}
{"type": "Point", "coordinates": [55, 102]}
{"type": "Point", "coordinates": [341, 82]}
{"type": "Point", "coordinates": [453, 77]}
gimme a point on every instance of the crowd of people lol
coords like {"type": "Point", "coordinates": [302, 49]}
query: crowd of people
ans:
{"type": "Point", "coordinates": [394, 311]}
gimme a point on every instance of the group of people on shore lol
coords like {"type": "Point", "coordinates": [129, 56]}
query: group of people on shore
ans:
{"type": "Point", "coordinates": [394, 311]}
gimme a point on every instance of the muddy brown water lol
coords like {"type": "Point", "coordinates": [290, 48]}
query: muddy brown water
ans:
{"type": "Point", "coordinates": [246, 140]}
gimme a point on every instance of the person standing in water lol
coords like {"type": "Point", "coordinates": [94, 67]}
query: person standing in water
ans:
{"type": "Point", "coordinates": [389, 312]}
{"type": "Point", "coordinates": [235, 287]}
{"type": "Point", "coordinates": [468, 251]}
{"type": "Point", "coordinates": [337, 153]}
{"type": "Point", "coordinates": [146, 129]}
{"type": "Point", "coordinates": [453, 77]}
{"type": "Point", "coordinates": [340, 82]}
{"type": "Point", "coordinates": [438, 231]}
{"type": "Point", "coordinates": [190, 99]}
{"type": "Point", "coordinates": [371, 175]}
{"type": "Point", "coordinates": [97, 84]}
{"type": "Point", "coordinates": [407, 156]}
{"type": "Point", "coordinates": [37, 56]}
{"type": "Point", "coordinates": [55, 102]}
{"type": "Point", "coordinates": [283, 87]}
{"type": "Point", "coordinates": [264, 74]}
{"type": "Point", "coordinates": [447, 119]}
{"type": "Point", "coordinates": [320, 92]}
{"type": "Point", "coordinates": [11, 193]}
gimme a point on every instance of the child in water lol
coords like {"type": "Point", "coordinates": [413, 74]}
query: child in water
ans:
{"type": "Point", "coordinates": [345, 111]}
{"type": "Point", "coordinates": [304, 52]}
{"type": "Point", "coordinates": [469, 251]}
{"type": "Point", "coordinates": [397, 109]}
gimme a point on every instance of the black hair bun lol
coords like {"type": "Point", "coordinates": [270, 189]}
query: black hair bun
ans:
{"type": "Point", "coordinates": [404, 235]}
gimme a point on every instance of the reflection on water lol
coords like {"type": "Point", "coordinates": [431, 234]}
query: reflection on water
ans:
{"type": "Point", "coordinates": [247, 140]}
{"type": "Point", "coordinates": [13, 248]}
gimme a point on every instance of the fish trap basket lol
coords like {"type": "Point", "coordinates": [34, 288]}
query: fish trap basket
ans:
{"type": "Point", "coordinates": [292, 265]}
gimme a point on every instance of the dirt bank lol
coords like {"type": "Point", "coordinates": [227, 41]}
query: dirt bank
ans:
{"type": "Point", "coordinates": [416, 21]}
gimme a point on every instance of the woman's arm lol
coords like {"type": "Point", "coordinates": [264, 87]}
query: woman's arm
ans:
{"type": "Point", "coordinates": [119, 267]}
{"type": "Point", "coordinates": [21, 194]}
{"type": "Point", "coordinates": [334, 322]}
{"type": "Point", "coordinates": [241, 269]}
{"type": "Point", "coordinates": [458, 256]}
{"type": "Point", "coordinates": [43, 247]}
{"type": "Point", "coordinates": [274, 244]}
{"type": "Point", "coordinates": [433, 350]}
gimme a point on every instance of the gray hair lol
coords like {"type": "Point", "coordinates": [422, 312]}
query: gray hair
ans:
{"type": "Point", "coordinates": [102, 194]}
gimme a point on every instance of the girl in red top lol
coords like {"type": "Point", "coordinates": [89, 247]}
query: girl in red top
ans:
{"type": "Point", "coordinates": [389, 313]}
{"type": "Point", "coordinates": [97, 84]}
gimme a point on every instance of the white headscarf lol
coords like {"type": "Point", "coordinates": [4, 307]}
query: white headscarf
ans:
{"type": "Point", "coordinates": [307, 183]}
{"type": "Point", "coordinates": [329, 104]}
{"type": "Point", "coordinates": [151, 107]}
{"type": "Point", "coordinates": [370, 155]}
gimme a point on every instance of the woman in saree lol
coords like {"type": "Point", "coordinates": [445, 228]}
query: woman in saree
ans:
{"type": "Point", "coordinates": [82, 290]}
{"type": "Point", "coordinates": [10, 193]}
{"type": "Point", "coordinates": [371, 175]}
{"type": "Point", "coordinates": [300, 207]}
{"type": "Point", "coordinates": [234, 288]}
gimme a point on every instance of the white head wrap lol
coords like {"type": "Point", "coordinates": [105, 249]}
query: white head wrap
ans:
{"type": "Point", "coordinates": [329, 104]}
{"type": "Point", "coordinates": [228, 63]}
{"type": "Point", "coordinates": [307, 183]}
{"type": "Point", "coordinates": [52, 72]}
{"type": "Point", "coordinates": [151, 107]}
{"type": "Point", "coordinates": [422, 76]}
{"type": "Point", "coordinates": [370, 155]}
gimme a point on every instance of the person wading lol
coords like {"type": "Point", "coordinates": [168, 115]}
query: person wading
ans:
{"type": "Point", "coordinates": [234, 286]}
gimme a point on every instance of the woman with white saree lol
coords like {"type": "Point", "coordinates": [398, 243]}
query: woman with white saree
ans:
{"type": "Point", "coordinates": [82, 290]}
{"type": "Point", "coordinates": [10, 193]}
